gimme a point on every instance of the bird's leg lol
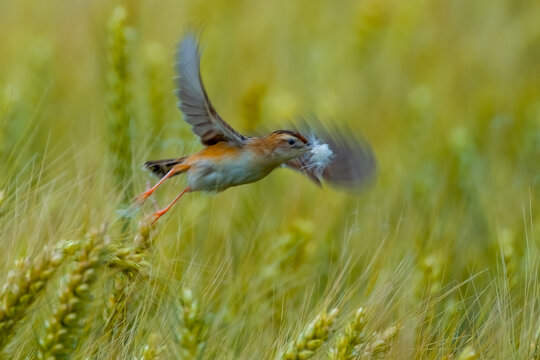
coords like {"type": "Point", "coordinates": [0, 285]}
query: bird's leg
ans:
{"type": "Point", "coordinates": [142, 197]}
{"type": "Point", "coordinates": [159, 213]}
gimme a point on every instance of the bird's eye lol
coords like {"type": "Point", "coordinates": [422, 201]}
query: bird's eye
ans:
{"type": "Point", "coordinates": [291, 141]}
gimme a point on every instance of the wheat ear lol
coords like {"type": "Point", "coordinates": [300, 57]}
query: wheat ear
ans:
{"type": "Point", "coordinates": [24, 283]}
{"type": "Point", "coordinates": [129, 261]}
{"type": "Point", "coordinates": [62, 330]}
{"type": "Point", "coordinates": [381, 344]}
{"type": "Point", "coordinates": [312, 338]}
{"type": "Point", "coordinates": [189, 333]}
{"type": "Point", "coordinates": [351, 337]}
{"type": "Point", "coordinates": [152, 349]}
{"type": "Point", "coordinates": [119, 97]}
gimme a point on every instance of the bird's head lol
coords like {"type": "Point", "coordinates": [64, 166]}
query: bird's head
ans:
{"type": "Point", "coordinates": [286, 145]}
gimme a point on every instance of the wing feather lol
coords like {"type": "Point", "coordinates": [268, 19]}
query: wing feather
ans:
{"type": "Point", "coordinates": [194, 103]}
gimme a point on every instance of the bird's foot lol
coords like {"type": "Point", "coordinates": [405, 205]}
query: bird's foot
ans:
{"type": "Point", "coordinates": [155, 216]}
{"type": "Point", "coordinates": [140, 199]}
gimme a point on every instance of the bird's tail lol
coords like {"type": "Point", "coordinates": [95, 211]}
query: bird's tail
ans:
{"type": "Point", "coordinates": [161, 167]}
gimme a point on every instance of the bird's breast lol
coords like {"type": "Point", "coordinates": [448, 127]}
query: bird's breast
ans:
{"type": "Point", "coordinates": [231, 168]}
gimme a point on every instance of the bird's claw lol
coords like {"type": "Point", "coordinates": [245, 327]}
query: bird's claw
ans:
{"type": "Point", "coordinates": [155, 216]}
{"type": "Point", "coordinates": [140, 199]}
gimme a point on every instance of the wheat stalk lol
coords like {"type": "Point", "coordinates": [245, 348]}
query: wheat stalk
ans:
{"type": "Point", "coordinates": [432, 267]}
{"type": "Point", "coordinates": [25, 283]}
{"type": "Point", "coordinates": [190, 330]}
{"type": "Point", "coordinates": [118, 80]}
{"type": "Point", "coordinates": [129, 261]}
{"type": "Point", "coordinates": [62, 330]}
{"type": "Point", "coordinates": [509, 255]}
{"type": "Point", "coordinates": [155, 62]}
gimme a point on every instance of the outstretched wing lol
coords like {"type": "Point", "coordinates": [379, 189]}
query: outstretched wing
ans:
{"type": "Point", "coordinates": [194, 103]}
{"type": "Point", "coordinates": [350, 164]}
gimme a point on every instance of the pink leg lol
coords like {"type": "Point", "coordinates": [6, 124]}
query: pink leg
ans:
{"type": "Point", "coordinates": [142, 197]}
{"type": "Point", "coordinates": [159, 213]}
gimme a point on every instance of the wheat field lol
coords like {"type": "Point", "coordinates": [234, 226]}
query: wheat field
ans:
{"type": "Point", "coordinates": [437, 258]}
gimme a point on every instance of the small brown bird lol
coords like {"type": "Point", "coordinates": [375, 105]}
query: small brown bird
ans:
{"type": "Point", "coordinates": [231, 159]}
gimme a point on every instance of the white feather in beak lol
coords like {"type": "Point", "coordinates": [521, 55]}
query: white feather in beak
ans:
{"type": "Point", "coordinates": [319, 157]}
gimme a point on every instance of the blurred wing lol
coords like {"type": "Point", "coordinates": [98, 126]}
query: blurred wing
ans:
{"type": "Point", "coordinates": [352, 163]}
{"type": "Point", "coordinates": [194, 103]}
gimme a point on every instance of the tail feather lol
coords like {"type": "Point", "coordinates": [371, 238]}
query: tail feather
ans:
{"type": "Point", "coordinates": [161, 167]}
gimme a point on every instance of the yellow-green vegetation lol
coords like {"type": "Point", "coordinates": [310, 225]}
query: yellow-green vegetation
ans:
{"type": "Point", "coordinates": [441, 253]}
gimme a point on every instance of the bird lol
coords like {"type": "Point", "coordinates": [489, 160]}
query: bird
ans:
{"type": "Point", "coordinates": [231, 159]}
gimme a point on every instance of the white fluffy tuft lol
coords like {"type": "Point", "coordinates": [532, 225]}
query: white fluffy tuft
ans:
{"type": "Point", "coordinates": [319, 157]}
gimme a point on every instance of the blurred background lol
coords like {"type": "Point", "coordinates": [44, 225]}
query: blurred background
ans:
{"type": "Point", "coordinates": [446, 93]}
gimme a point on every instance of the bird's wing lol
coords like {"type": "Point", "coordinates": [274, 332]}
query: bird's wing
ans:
{"type": "Point", "coordinates": [350, 164]}
{"type": "Point", "coordinates": [194, 103]}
